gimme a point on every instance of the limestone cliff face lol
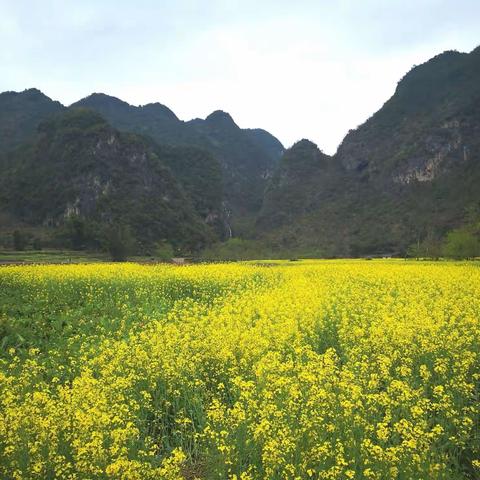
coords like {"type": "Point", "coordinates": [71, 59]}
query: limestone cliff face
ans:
{"type": "Point", "coordinates": [444, 148]}
{"type": "Point", "coordinates": [247, 157]}
{"type": "Point", "coordinates": [80, 166]}
{"type": "Point", "coordinates": [244, 158]}
{"type": "Point", "coordinates": [412, 168]}
{"type": "Point", "coordinates": [429, 126]}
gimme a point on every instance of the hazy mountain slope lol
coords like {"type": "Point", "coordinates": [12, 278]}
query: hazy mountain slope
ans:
{"type": "Point", "coordinates": [247, 157]}
{"type": "Point", "coordinates": [270, 144]}
{"type": "Point", "coordinates": [300, 183]}
{"type": "Point", "coordinates": [245, 161]}
{"type": "Point", "coordinates": [410, 170]}
{"type": "Point", "coordinates": [155, 120]}
{"type": "Point", "coordinates": [200, 176]}
{"type": "Point", "coordinates": [80, 166]}
{"type": "Point", "coordinates": [20, 114]}
{"type": "Point", "coordinates": [418, 130]}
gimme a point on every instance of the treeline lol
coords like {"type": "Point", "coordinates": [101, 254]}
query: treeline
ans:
{"type": "Point", "coordinates": [80, 234]}
{"type": "Point", "coordinates": [461, 243]}
{"type": "Point", "coordinates": [119, 241]}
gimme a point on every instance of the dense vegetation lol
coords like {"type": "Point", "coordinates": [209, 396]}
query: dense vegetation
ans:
{"type": "Point", "coordinates": [409, 173]}
{"type": "Point", "coordinates": [20, 114]}
{"type": "Point", "coordinates": [398, 184]}
{"type": "Point", "coordinates": [326, 370]}
{"type": "Point", "coordinates": [94, 185]}
{"type": "Point", "coordinates": [246, 156]}
{"type": "Point", "coordinates": [214, 166]}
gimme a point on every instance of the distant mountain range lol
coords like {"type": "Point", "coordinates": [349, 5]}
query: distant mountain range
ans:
{"type": "Point", "coordinates": [410, 170]}
{"type": "Point", "coordinates": [220, 169]}
{"type": "Point", "coordinates": [247, 157]}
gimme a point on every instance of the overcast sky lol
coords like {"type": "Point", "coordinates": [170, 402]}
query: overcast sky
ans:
{"type": "Point", "coordinates": [300, 69]}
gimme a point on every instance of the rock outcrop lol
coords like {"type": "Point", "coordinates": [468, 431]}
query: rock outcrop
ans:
{"type": "Point", "coordinates": [410, 170]}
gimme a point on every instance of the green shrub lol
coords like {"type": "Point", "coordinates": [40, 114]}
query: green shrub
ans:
{"type": "Point", "coordinates": [119, 242]}
{"type": "Point", "coordinates": [164, 251]}
{"type": "Point", "coordinates": [19, 241]}
{"type": "Point", "coordinates": [461, 244]}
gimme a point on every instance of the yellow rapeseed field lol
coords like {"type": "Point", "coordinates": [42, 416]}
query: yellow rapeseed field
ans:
{"type": "Point", "coordinates": [294, 370]}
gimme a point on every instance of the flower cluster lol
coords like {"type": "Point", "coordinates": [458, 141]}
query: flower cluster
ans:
{"type": "Point", "coordinates": [312, 370]}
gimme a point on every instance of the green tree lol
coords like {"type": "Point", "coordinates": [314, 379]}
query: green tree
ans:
{"type": "Point", "coordinates": [429, 247]}
{"type": "Point", "coordinates": [461, 244]}
{"type": "Point", "coordinates": [119, 242]}
{"type": "Point", "coordinates": [432, 247]}
{"type": "Point", "coordinates": [37, 244]}
{"type": "Point", "coordinates": [76, 232]}
{"type": "Point", "coordinates": [415, 250]}
{"type": "Point", "coordinates": [164, 251]}
{"type": "Point", "coordinates": [472, 216]}
{"type": "Point", "coordinates": [19, 241]}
